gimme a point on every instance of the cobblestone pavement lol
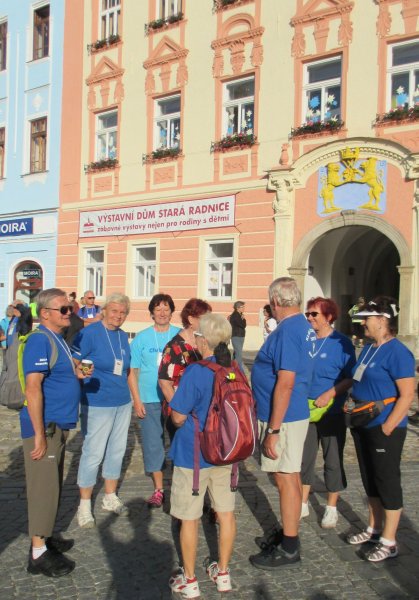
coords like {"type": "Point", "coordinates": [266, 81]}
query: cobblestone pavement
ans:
{"type": "Point", "coordinates": [131, 556]}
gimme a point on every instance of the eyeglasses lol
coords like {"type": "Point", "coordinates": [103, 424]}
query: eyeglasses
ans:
{"type": "Point", "coordinates": [63, 309]}
{"type": "Point", "coordinates": [90, 297]}
{"type": "Point", "coordinates": [312, 313]}
{"type": "Point", "coordinates": [198, 334]}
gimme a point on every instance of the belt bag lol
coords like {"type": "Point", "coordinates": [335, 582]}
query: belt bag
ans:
{"type": "Point", "coordinates": [363, 413]}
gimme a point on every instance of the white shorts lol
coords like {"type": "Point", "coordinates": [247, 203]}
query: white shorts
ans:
{"type": "Point", "coordinates": [289, 447]}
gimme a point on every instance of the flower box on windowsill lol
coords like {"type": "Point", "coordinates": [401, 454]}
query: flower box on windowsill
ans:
{"type": "Point", "coordinates": [105, 43]}
{"type": "Point", "coordinates": [237, 140]}
{"type": "Point", "coordinates": [162, 23]}
{"type": "Point", "coordinates": [101, 165]}
{"type": "Point", "coordinates": [222, 4]}
{"type": "Point", "coordinates": [315, 128]}
{"type": "Point", "coordinates": [162, 155]}
{"type": "Point", "coordinates": [398, 116]}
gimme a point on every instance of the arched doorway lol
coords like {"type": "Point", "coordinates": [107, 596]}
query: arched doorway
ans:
{"type": "Point", "coordinates": [350, 262]}
{"type": "Point", "coordinates": [28, 281]}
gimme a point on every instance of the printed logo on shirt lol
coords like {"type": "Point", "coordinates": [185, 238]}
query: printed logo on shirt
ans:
{"type": "Point", "coordinates": [380, 449]}
{"type": "Point", "coordinates": [371, 365]}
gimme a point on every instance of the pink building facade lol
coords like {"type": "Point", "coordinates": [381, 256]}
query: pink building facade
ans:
{"type": "Point", "coordinates": [237, 141]}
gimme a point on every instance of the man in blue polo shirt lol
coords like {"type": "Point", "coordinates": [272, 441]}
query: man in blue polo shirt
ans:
{"type": "Point", "coordinates": [52, 403]}
{"type": "Point", "coordinates": [281, 376]}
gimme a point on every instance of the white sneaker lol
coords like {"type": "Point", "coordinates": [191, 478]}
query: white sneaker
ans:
{"type": "Point", "coordinates": [112, 503]}
{"type": "Point", "coordinates": [221, 579]}
{"type": "Point", "coordinates": [330, 518]}
{"type": "Point", "coordinates": [85, 518]}
{"type": "Point", "coordinates": [187, 588]}
{"type": "Point", "coordinates": [304, 510]}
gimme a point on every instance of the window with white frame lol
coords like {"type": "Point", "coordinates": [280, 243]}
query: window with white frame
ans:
{"type": "Point", "coordinates": [106, 135]}
{"type": "Point", "coordinates": [109, 19]}
{"type": "Point", "coordinates": [41, 32]}
{"type": "Point", "coordinates": [403, 74]}
{"type": "Point", "coordinates": [93, 270]}
{"type": "Point", "coordinates": [219, 268]}
{"type": "Point", "coordinates": [322, 90]}
{"type": "Point", "coordinates": [168, 8]}
{"type": "Point", "coordinates": [167, 122]}
{"type": "Point", "coordinates": [3, 45]}
{"type": "Point", "coordinates": [145, 270]}
{"type": "Point", "coordinates": [239, 106]}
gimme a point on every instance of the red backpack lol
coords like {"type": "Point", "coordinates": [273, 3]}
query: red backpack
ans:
{"type": "Point", "coordinates": [229, 433]}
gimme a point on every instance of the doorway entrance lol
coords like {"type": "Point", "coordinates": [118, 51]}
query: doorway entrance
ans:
{"type": "Point", "coordinates": [350, 262]}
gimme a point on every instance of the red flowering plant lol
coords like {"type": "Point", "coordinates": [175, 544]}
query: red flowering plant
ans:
{"type": "Point", "coordinates": [235, 139]}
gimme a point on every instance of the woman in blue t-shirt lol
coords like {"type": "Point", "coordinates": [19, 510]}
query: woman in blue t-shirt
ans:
{"type": "Point", "coordinates": [385, 370]}
{"type": "Point", "coordinates": [105, 406]}
{"type": "Point", "coordinates": [334, 357]}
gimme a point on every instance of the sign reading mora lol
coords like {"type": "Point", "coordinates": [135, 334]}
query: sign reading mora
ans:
{"type": "Point", "coordinates": [155, 218]}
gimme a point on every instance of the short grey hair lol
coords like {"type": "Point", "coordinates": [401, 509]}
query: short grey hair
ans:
{"type": "Point", "coordinates": [45, 297]}
{"type": "Point", "coordinates": [284, 292]}
{"type": "Point", "coordinates": [215, 328]}
{"type": "Point", "coordinates": [118, 298]}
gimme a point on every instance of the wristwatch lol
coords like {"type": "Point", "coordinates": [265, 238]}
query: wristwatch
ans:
{"type": "Point", "coordinates": [270, 430]}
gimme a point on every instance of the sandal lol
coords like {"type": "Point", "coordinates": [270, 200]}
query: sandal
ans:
{"type": "Point", "coordinates": [363, 537]}
{"type": "Point", "coordinates": [381, 552]}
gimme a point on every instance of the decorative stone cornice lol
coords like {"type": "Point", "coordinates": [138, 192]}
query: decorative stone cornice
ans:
{"type": "Point", "coordinates": [106, 69]}
{"type": "Point", "coordinates": [243, 36]}
{"type": "Point", "coordinates": [332, 11]}
{"type": "Point", "coordinates": [165, 59]}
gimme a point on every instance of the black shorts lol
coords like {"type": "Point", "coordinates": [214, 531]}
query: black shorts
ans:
{"type": "Point", "coordinates": [379, 457]}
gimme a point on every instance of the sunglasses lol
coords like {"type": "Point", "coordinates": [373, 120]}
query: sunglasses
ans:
{"type": "Point", "coordinates": [312, 313]}
{"type": "Point", "coordinates": [198, 334]}
{"type": "Point", "coordinates": [63, 310]}
{"type": "Point", "coordinates": [90, 297]}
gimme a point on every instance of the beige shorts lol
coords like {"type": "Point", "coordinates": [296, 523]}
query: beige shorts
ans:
{"type": "Point", "coordinates": [217, 480]}
{"type": "Point", "coordinates": [289, 447]}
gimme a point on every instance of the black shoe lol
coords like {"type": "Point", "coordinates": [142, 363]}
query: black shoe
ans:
{"type": "Point", "coordinates": [50, 564]}
{"type": "Point", "coordinates": [414, 419]}
{"type": "Point", "coordinates": [59, 544]}
{"type": "Point", "coordinates": [274, 557]}
{"type": "Point", "coordinates": [274, 538]}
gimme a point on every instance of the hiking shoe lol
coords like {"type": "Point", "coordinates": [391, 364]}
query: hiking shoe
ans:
{"type": "Point", "coordinates": [187, 588]}
{"type": "Point", "coordinates": [362, 538]}
{"type": "Point", "coordinates": [304, 510]}
{"type": "Point", "coordinates": [220, 578]}
{"type": "Point", "coordinates": [381, 552]}
{"type": "Point", "coordinates": [330, 518]}
{"type": "Point", "coordinates": [85, 518]}
{"type": "Point", "coordinates": [50, 564]}
{"type": "Point", "coordinates": [112, 503]}
{"type": "Point", "coordinates": [274, 557]}
{"type": "Point", "coordinates": [274, 538]}
{"type": "Point", "coordinates": [59, 544]}
{"type": "Point", "coordinates": [156, 501]}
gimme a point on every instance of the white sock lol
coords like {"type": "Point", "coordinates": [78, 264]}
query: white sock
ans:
{"type": "Point", "coordinates": [37, 552]}
{"type": "Point", "coordinates": [304, 504]}
{"type": "Point", "coordinates": [110, 496]}
{"type": "Point", "coordinates": [85, 505]}
{"type": "Point", "coordinates": [386, 542]}
{"type": "Point", "coordinates": [372, 530]}
{"type": "Point", "coordinates": [331, 508]}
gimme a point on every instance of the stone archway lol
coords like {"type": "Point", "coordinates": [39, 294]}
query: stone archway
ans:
{"type": "Point", "coordinates": [299, 265]}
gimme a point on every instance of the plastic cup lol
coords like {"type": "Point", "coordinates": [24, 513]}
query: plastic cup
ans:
{"type": "Point", "coordinates": [86, 365]}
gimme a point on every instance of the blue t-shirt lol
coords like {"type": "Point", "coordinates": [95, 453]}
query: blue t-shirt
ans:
{"type": "Point", "coordinates": [333, 360]}
{"type": "Point", "coordinates": [88, 312]}
{"type": "Point", "coordinates": [193, 394]}
{"type": "Point", "coordinates": [104, 346]}
{"type": "Point", "coordinates": [60, 386]}
{"type": "Point", "coordinates": [146, 353]}
{"type": "Point", "coordinates": [385, 365]}
{"type": "Point", "coordinates": [287, 348]}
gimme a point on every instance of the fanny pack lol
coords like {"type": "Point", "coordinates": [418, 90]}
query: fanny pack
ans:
{"type": "Point", "coordinates": [359, 414]}
{"type": "Point", "coordinates": [316, 412]}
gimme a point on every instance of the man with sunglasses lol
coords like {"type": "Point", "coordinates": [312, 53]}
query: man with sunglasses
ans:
{"type": "Point", "coordinates": [90, 312]}
{"type": "Point", "coordinates": [51, 409]}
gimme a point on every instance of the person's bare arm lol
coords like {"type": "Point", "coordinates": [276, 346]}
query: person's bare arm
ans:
{"type": "Point", "coordinates": [177, 418]}
{"type": "Point", "coordinates": [166, 386]}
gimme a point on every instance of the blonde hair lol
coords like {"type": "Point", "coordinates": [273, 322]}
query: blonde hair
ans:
{"type": "Point", "coordinates": [118, 298]}
{"type": "Point", "coordinates": [215, 328]}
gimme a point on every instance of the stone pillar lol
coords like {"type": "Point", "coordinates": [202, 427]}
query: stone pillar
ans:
{"type": "Point", "coordinates": [283, 208]}
{"type": "Point", "coordinates": [414, 305]}
{"type": "Point", "coordinates": [299, 274]}
{"type": "Point", "coordinates": [405, 299]}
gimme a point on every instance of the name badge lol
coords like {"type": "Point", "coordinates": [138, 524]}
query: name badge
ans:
{"type": "Point", "coordinates": [89, 316]}
{"type": "Point", "coordinates": [159, 356]}
{"type": "Point", "coordinates": [118, 366]}
{"type": "Point", "coordinates": [359, 372]}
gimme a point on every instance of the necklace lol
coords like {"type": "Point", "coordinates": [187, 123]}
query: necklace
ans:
{"type": "Point", "coordinates": [65, 347]}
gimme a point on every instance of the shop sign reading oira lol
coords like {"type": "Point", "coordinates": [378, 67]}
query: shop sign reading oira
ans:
{"type": "Point", "coordinates": [159, 218]}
